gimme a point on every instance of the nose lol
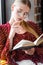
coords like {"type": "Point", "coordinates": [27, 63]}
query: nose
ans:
{"type": "Point", "coordinates": [22, 16]}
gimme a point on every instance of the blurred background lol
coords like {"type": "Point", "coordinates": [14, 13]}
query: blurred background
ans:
{"type": "Point", "coordinates": [0, 13]}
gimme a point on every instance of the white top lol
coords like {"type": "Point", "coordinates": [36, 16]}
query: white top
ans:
{"type": "Point", "coordinates": [27, 62]}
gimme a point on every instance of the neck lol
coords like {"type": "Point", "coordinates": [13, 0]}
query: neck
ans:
{"type": "Point", "coordinates": [11, 21]}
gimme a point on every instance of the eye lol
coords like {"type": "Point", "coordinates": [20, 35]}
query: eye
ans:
{"type": "Point", "coordinates": [19, 11]}
{"type": "Point", "coordinates": [26, 13]}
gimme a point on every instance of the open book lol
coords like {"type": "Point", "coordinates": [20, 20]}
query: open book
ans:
{"type": "Point", "coordinates": [26, 44]}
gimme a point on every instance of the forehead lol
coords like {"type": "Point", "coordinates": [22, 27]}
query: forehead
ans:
{"type": "Point", "coordinates": [22, 7]}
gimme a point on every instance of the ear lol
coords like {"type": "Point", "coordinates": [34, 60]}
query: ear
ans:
{"type": "Point", "coordinates": [12, 7]}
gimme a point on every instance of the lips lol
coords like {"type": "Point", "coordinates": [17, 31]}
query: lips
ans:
{"type": "Point", "coordinates": [19, 19]}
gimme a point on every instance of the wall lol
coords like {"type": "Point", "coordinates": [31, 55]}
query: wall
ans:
{"type": "Point", "coordinates": [8, 10]}
{"type": "Point", "coordinates": [0, 13]}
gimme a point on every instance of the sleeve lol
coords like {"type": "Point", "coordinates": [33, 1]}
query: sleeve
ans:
{"type": "Point", "coordinates": [2, 39]}
{"type": "Point", "coordinates": [37, 28]}
{"type": "Point", "coordinates": [4, 30]}
{"type": "Point", "coordinates": [5, 43]}
{"type": "Point", "coordinates": [5, 50]}
{"type": "Point", "coordinates": [6, 54]}
{"type": "Point", "coordinates": [39, 50]}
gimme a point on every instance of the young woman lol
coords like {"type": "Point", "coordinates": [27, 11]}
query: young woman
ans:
{"type": "Point", "coordinates": [16, 30]}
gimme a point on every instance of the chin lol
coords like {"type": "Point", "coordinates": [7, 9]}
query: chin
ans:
{"type": "Point", "coordinates": [19, 19]}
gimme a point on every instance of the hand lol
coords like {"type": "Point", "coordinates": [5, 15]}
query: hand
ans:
{"type": "Point", "coordinates": [30, 51]}
{"type": "Point", "coordinates": [14, 29]}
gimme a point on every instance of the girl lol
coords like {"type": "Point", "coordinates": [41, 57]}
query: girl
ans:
{"type": "Point", "coordinates": [18, 29]}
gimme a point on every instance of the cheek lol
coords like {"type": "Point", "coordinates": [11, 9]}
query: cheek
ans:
{"type": "Point", "coordinates": [16, 15]}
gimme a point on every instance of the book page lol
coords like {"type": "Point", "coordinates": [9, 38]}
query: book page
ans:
{"type": "Point", "coordinates": [23, 43]}
{"type": "Point", "coordinates": [28, 44]}
{"type": "Point", "coordinates": [39, 40]}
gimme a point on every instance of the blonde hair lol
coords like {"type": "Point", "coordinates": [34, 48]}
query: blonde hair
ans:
{"type": "Point", "coordinates": [27, 2]}
{"type": "Point", "coordinates": [29, 29]}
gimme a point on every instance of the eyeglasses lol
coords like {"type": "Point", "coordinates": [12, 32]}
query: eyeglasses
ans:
{"type": "Point", "coordinates": [24, 14]}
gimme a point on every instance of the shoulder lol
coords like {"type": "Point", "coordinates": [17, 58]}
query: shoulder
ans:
{"type": "Point", "coordinates": [5, 28]}
{"type": "Point", "coordinates": [5, 25]}
{"type": "Point", "coordinates": [35, 26]}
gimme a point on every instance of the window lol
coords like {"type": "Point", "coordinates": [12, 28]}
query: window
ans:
{"type": "Point", "coordinates": [3, 8]}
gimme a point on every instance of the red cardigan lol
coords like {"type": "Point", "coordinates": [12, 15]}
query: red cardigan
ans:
{"type": "Point", "coordinates": [18, 55]}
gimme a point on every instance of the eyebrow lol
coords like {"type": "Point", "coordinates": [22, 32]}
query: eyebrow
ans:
{"type": "Point", "coordinates": [22, 10]}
